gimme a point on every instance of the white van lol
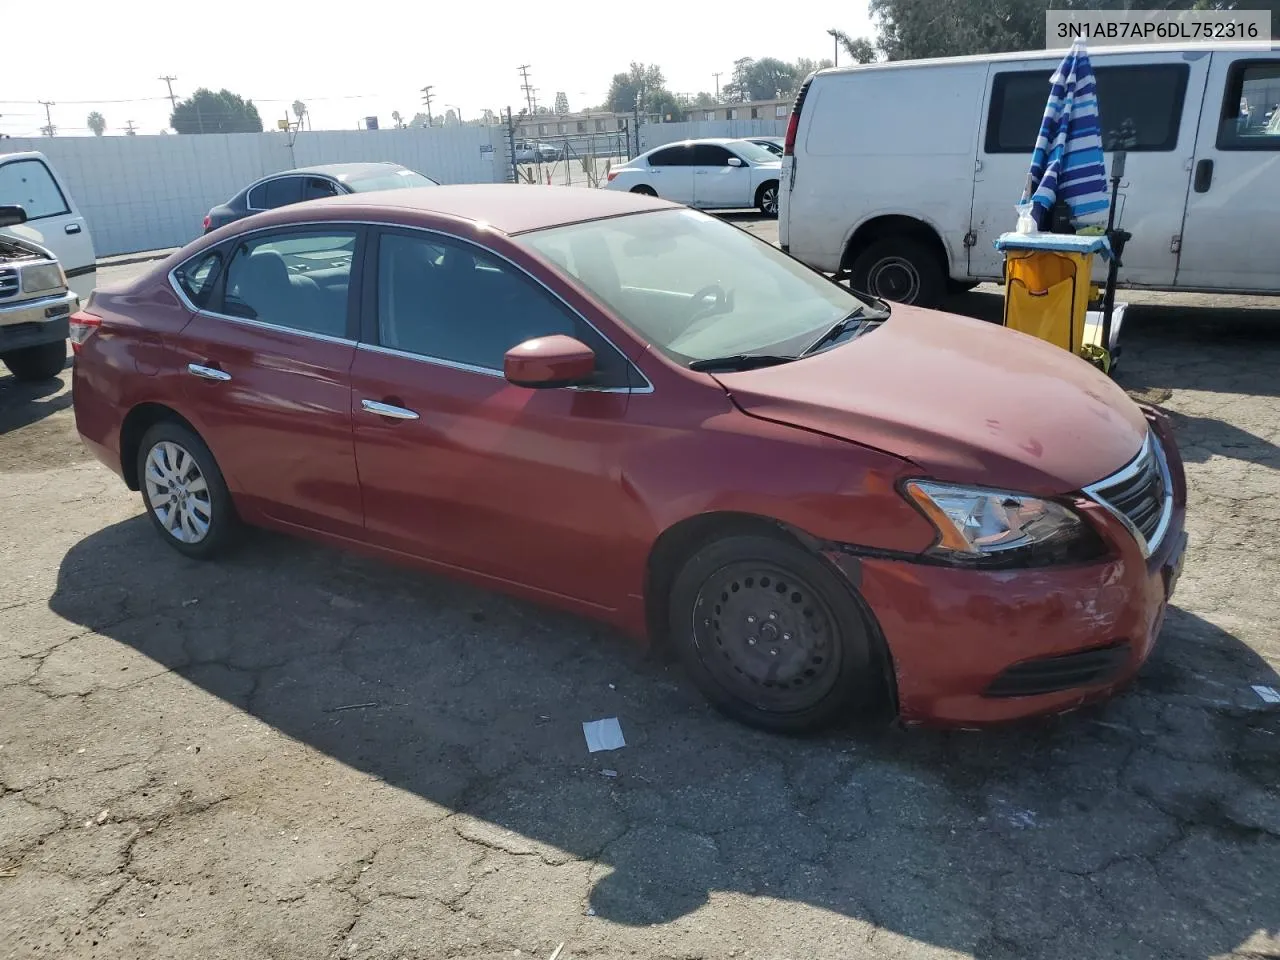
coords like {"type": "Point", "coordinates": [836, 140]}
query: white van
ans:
{"type": "Point", "coordinates": [28, 180]}
{"type": "Point", "coordinates": [900, 175]}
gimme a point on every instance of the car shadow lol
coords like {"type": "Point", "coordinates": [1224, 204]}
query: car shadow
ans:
{"type": "Point", "coordinates": [1143, 827]}
{"type": "Point", "coordinates": [24, 403]}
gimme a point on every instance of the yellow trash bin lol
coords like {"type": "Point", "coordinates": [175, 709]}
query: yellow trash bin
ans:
{"type": "Point", "coordinates": [1048, 282]}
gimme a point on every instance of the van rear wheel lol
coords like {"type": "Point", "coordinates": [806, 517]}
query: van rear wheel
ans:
{"type": "Point", "coordinates": [901, 270]}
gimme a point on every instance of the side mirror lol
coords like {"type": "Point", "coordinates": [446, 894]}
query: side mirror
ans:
{"type": "Point", "coordinates": [11, 215]}
{"type": "Point", "coordinates": [736, 162]}
{"type": "Point", "coordinates": [554, 361]}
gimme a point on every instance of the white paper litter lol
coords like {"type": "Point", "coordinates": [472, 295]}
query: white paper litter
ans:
{"type": "Point", "coordinates": [1268, 694]}
{"type": "Point", "coordinates": [603, 734]}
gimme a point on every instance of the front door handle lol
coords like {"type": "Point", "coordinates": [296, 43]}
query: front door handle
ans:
{"type": "Point", "coordinates": [388, 410]}
{"type": "Point", "coordinates": [72, 228]}
{"type": "Point", "coordinates": [208, 373]}
{"type": "Point", "coordinates": [1204, 176]}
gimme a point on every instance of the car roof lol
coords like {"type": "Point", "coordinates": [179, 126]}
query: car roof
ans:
{"type": "Point", "coordinates": [345, 171]}
{"type": "Point", "coordinates": [508, 207]}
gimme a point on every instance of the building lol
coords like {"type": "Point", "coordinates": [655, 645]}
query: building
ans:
{"type": "Point", "coordinates": [778, 109]}
{"type": "Point", "coordinates": [570, 124]}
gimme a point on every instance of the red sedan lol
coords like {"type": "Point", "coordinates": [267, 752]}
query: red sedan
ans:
{"type": "Point", "coordinates": [635, 411]}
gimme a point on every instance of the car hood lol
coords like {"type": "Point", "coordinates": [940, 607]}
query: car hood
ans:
{"type": "Point", "coordinates": [965, 401]}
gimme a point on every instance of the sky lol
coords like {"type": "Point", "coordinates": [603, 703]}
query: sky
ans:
{"type": "Point", "coordinates": [346, 60]}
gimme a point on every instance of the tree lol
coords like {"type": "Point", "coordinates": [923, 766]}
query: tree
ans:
{"type": "Point", "coordinates": [562, 103]}
{"type": "Point", "coordinates": [299, 110]}
{"type": "Point", "coordinates": [859, 49]}
{"type": "Point", "coordinates": [805, 66]}
{"type": "Point", "coordinates": [397, 119]}
{"type": "Point", "coordinates": [97, 123]}
{"type": "Point", "coordinates": [488, 117]}
{"type": "Point", "coordinates": [222, 112]}
{"type": "Point", "coordinates": [450, 118]}
{"type": "Point", "coordinates": [631, 89]}
{"type": "Point", "coordinates": [704, 99]}
{"type": "Point", "coordinates": [666, 105]}
{"type": "Point", "coordinates": [420, 119]}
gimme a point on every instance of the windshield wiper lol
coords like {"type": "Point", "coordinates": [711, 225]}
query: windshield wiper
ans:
{"type": "Point", "coordinates": [739, 361]}
{"type": "Point", "coordinates": [858, 318]}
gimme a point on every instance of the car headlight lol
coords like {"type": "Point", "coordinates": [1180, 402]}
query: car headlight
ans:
{"type": "Point", "coordinates": [998, 528]}
{"type": "Point", "coordinates": [43, 276]}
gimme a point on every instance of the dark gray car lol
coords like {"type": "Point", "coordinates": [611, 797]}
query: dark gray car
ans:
{"type": "Point", "coordinates": [312, 183]}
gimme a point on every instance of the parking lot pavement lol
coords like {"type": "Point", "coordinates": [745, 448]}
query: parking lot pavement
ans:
{"type": "Point", "coordinates": [300, 754]}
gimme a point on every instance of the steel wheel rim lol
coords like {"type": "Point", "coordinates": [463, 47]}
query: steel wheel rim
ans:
{"type": "Point", "coordinates": [769, 200]}
{"type": "Point", "coordinates": [177, 492]}
{"type": "Point", "coordinates": [894, 278]}
{"type": "Point", "coordinates": [767, 635]}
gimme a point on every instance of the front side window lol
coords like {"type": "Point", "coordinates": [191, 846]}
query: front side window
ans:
{"type": "Point", "coordinates": [1139, 107]}
{"type": "Point", "coordinates": [1251, 107]}
{"type": "Point", "coordinates": [695, 287]}
{"type": "Point", "coordinates": [318, 188]}
{"type": "Point", "coordinates": [296, 280]}
{"type": "Point", "coordinates": [198, 278]}
{"type": "Point", "coordinates": [30, 185]}
{"type": "Point", "coordinates": [448, 300]}
{"type": "Point", "coordinates": [710, 155]}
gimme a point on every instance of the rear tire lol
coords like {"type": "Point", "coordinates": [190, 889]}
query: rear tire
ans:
{"type": "Point", "coordinates": [184, 492]}
{"type": "Point", "coordinates": [767, 198]}
{"type": "Point", "coordinates": [773, 637]}
{"type": "Point", "coordinates": [901, 270]}
{"type": "Point", "coordinates": [644, 191]}
{"type": "Point", "coordinates": [44, 362]}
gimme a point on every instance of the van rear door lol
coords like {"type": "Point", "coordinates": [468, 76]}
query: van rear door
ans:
{"type": "Point", "coordinates": [1231, 235]}
{"type": "Point", "coordinates": [1153, 96]}
{"type": "Point", "coordinates": [53, 221]}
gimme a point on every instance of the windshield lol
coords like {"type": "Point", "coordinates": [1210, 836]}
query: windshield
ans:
{"type": "Point", "coordinates": [392, 180]}
{"type": "Point", "coordinates": [753, 152]}
{"type": "Point", "coordinates": [695, 287]}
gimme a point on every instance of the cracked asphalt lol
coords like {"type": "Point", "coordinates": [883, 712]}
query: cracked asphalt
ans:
{"type": "Point", "coordinates": [301, 754]}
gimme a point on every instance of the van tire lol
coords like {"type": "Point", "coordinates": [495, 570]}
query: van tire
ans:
{"type": "Point", "coordinates": [901, 270]}
{"type": "Point", "coordinates": [33, 364]}
{"type": "Point", "coordinates": [644, 191]}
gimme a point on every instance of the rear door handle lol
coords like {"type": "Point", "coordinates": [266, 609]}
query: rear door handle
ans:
{"type": "Point", "coordinates": [72, 228]}
{"type": "Point", "coordinates": [1204, 176]}
{"type": "Point", "coordinates": [388, 410]}
{"type": "Point", "coordinates": [208, 373]}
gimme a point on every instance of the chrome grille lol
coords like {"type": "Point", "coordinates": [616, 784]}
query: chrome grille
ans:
{"type": "Point", "coordinates": [1140, 495]}
{"type": "Point", "coordinates": [8, 282]}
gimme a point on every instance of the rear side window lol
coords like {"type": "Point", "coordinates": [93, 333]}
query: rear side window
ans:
{"type": "Point", "coordinates": [672, 157]}
{"type": "Point", "coordinates": [1139, 107]}
{"type": "Point", "coordinates": [30, 185]}
{"type": "Point", "coordinates": [276, 193]}
{"type": "Point", "coordinates": [198, 278]}
{"type": "Point", "coordinates": [1251, 107]}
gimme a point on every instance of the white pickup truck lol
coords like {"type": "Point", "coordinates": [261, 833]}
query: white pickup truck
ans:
{"type": "Point", "coordinates": [53, 221]}
{"type": "Point", "coordinates": [35, 305]}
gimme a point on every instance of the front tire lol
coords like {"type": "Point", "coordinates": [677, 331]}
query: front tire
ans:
{"type": "Point", "coordinates": [773, 637]}
{"type": "Point", "coordinates": [31, 364]}
{"type": "Point", "coordinates": [644, 191]}
{"type": "Point", "coordinates": [900, 269]}
{"type": "Point", "coordinates": [184, 492]}
{"type": "Point", "coordinates": [767, 198]}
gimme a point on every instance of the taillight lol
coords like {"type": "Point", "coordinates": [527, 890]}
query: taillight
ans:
{"type": "Point", "coordinates": [207, 220]}
{"type": "Point", "coordinates": [83, 326]}
{"type": "Point", "coordinates": [611, 174]}
{"type": "Point", "coordinates": [793, 121]}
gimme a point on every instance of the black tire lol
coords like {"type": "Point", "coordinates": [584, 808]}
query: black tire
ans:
{"type": "Point", "coordinates": [215, 505]}
{"type": "Point", "coordinates": [644, 190]}
{"type": "Point", "coordinates": [961, 286]}
{"type": "Point", "coordinates": [44, 362]}
{"type": "Point", "coordinates": [828, 665]}
{"type": "Point", "coordinates": [767, 199]}
{"type": "Point", "coordinates": [900, 269]}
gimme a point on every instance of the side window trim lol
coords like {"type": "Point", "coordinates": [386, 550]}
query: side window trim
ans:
{"type": "Point", "coordinates": [368, 327]}
{"type": "Point", "coordinates": [260, 189]}
{"type": "Point", "coordinates": [226, 249]}
{"type": "Point", "coordinates": [1000, 80]}
{"type": "Point", "coordinates": [1233, 91]}
{"type": "Point", "coordinates": [66, 206]}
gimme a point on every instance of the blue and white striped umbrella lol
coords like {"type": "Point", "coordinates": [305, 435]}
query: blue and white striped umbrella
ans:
{"type": "Point", "coordinates": [1068, 163]}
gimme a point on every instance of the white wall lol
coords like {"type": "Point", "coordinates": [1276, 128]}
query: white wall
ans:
{"type": "Point", "coordinates": [656, 134]}
{"type": "Point", "coordinates": [146, 193]}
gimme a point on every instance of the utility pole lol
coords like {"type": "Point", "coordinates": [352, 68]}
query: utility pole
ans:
{"type": "Point", "coordinates": [717, 76]}
{"type": "Point", "coordinates": [523, 70]}
{"type": "Point", "coordinates": [426, 99]}
{"type": "Point", "coordinates": [49, 129]}
{"type": "Point", "coordinates": [129, 131]}
{"type": "Point", "coordinates": [173, 100]}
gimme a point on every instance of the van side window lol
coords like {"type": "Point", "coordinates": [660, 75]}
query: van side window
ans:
{"type": "Point", "coordinates": [30, 185]}
{"type": "Point", "coordinates": [1251, 107]}
{"type": "Point", "coordinates": [1140, 107]}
